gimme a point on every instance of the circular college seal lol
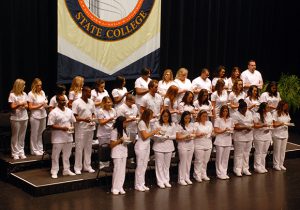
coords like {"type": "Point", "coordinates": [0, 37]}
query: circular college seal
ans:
{"type": "Point", "coordinates": [109, 20]}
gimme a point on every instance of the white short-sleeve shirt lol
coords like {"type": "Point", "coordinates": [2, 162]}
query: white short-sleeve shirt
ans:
{"type": "Point", "coordinates": [247, 120]}
{"type": "Point", "coordinates": [220, 100]}
{"type": "Point", "coordinates": [73, 96]}
{"type": "Point", "coordinates": [223, 139]}
{"type": "Point", "coordinates": [63, 118]}
{"type": "Point", "coordinates": [53, 102]}
{"type": "Point", "coordinates": [204, 142]}
{"type": "Point", "coordinates": [251, 102]}
{"type": "Point", "coordinates": [128, 112]}
{"type": "Point", "coordinates": [167, 103]}
{"type": "Point", "coordinates": [186, 144]}
{"type": "Point", "coordinates": [264, 133]}
{"type": "Point", "coordinates": [281, 132]}
{"type": "Point", "coordinates": [105, 130]}
{"type": "Point", "coordinates": [199, 83]}
{"type": "Point", "coordinates": [235, 99]}
{"type": "Point", "coordinates": [165, 145]}
{"type": "Point", "coordinates": [119, 93]}
{"type": "Point", "coordinates": [270, 100]}
{"type": "Point", "coordinates": [98, 96]}
{"type": "Point", "coordinates": [254, 78]}
{"type": "Point", "coordinates": [140, 83]}
{"type": "Point", "coordinates": [186, 85]}
{"type": "Point", "coordinates": [152, 102]}
{"type": "Point", "coordinates": [20, 113]}
{"type": "Point", "coordinates": [164, 86]}
{"type": "Point", "coordinates": [207, 107]}
{"type": "Point", "coordinates": [119, 151]}
{"type": "Point", "coordinates": [83, 110]}
{"type": "Point", "coordinates": [142, 144]}
{"type": "Point", "coordinates": [215, 80]}
{"type": "Point", "coordinates": [35, 100]}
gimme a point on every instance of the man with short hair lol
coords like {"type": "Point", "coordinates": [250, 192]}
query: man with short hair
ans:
{"type": "Point", "coordinates": [251, 76]}
{"type": "Point", "coordinates": [201, 82]}
{"type": "Point", "coordinates": [84, 111]}
{"type": "Point", "coordinates": [60, 120]}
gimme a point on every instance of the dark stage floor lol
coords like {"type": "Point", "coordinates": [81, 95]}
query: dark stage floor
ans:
{"type": "Point", "coordinates": [274, 190]}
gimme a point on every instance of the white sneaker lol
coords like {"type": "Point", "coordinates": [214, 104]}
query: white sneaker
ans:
{"type": "Point", "coordinates": [222, 177]}
{"type": "Point", "coordinates": [238, 173]}
{"type": "Point", "coordinates": [141, 189]}
{"type": "Point", "coordinates": [167, 184]}
{"type": "Point", "coordinates": [197, 179]}
{"type": "Point", "coordinates": [205, 178]}
{"type": "Point", "coordinates": [277, 168]}
{"type": "Point", "coordinates": [54, 176]}
{"type": "Point", "coordinates": [227, 177]}
{"type": "Point", "coordinates": [247, 172]}
{"type": "Point", "coordinates": [146, 188]}
{"type": "Point", "coordinates": [90, 170]}
{"type": "Point", "coordinates": [122, 191]}
{"type": "Point", "coordinates": [283, 168]}
{"type": "Point", "coordinates": [23, 156]}
{"type": "Point", "coordinates": [77, 172]}
{"type": "Point", "coordinates": [260, 171]}
{"type": "Point", "coordinates": [188, 181]}
{"type": "Point", "coordinates": [68, 173]}
{"type": "Point", "coordinates": [115, 192]}
{"type": "Point", "coordinates": [162, 186]}
{"type": "Point", "coordinates": [182, 182]}
{"type": "Point", "coordinates": [15, 157]}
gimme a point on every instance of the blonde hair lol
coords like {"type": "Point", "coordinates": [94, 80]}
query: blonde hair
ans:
{"type": "Point", "coordinates": [77, 84]}
{"type": "Point", "coordinates": [18, 87]}
{"type": "Point", "coordinates": [105, 99]}
{"type": "Point", "coordinates": [34, 85]}
{"type": "Point", "coordinates": [167, 71]}
{"type": "Point", "coordinates": [180, 71]}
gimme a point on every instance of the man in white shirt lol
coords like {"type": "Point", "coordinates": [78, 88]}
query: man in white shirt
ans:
{"type": "Point", "coordinates": [60, 120]}
{"type": "Point", "coordinates": [130, 111]}
{"type": "Point", "coordinates": [84, 111]}
{"type": "Point", "coordinates": [201, 82]}
{"type": "Point", "coordinates": [141, 86]}
{"type": "Point", "coordinates": [251, 76]}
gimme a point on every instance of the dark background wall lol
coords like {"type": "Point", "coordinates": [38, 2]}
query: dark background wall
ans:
{"type": "Point", "coordinates": [194, 34]}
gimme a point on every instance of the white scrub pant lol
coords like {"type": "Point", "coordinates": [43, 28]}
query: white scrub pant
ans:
{"type": "Point", "coordinates": [142, 158]}
{"type": "Point", "coordinates": [200, 163]}
{"type": "Point", "coordinates": [18, 132]}
{"type": "Point", "coordinates": [222, 158]}
{"type": "Point", "coordinates": [119, 173]}
{"type": "Point", "coordinates": [261, 149]}
{"type": "Point", "coordinates": [37, 128]}
{"type": "Point", "coordinates": [279, 147]}
{"type": "Point", "coordinates": [66, 149]}
{"type": "Point", "coordinates": [241, 156]}
{"type": "Point", "coordinates": [83, 149]}
{"type": "Point", "coordinates": [185, 161]}
{"type": "Point", "coordinates": [162, 167]}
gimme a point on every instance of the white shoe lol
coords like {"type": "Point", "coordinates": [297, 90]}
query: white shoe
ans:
{"type": "Point", "coordinates": [188, 181]}
{"type": "Point", "coordinates": [222, 177]}
{"type": "Point", "coordinates": [90, 170]}
{"type": "Point", "coordinates": [182, 182]}
{"type": "Point", "coordinates": [197, 179]}
{"type": "Point", "coordinates": [141, 189]}
{"type": "Point", "coordinates": [227, 177]}
{"type": "Point", "coordinates": [205, 178]}
{"type": "Point", "coordinates": [122, 191]}
{"type": "Point", "coordinates": [115, 192]}
{"type": "Point", "coordinates": [283, 168]}
{"type": "Point", "coordinates": [277, 168]}
{"type": "Point", "coordinates": [146, 188]}
{"type": "Point", "coordinates": [15, 157]}
{"type": "Point", "coordinates": [68, 173]}
{"type": "Point", "coordinates": [238, 174]}
{"type": "Point", "coordinates": [162, 186]}
{"type": "Point", "coordinates": [23, 156]}
{"type": "Point", "coordinates": [54, 176]}
{"type": "Point", "coordinates": [247, 172]}
{"type": "Point", "coordinates": [167, 184]}
{"type": "Point", "coordinates": [77, 172]}
{"type": "Point", "coordinates": [260, 171]}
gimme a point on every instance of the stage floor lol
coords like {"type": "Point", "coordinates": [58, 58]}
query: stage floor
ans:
{"type": "Point", "coordinates": [273, 190]}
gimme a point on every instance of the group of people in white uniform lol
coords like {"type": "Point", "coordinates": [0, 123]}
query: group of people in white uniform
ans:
{"type": "Point", "coordinates": [178, 115]}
